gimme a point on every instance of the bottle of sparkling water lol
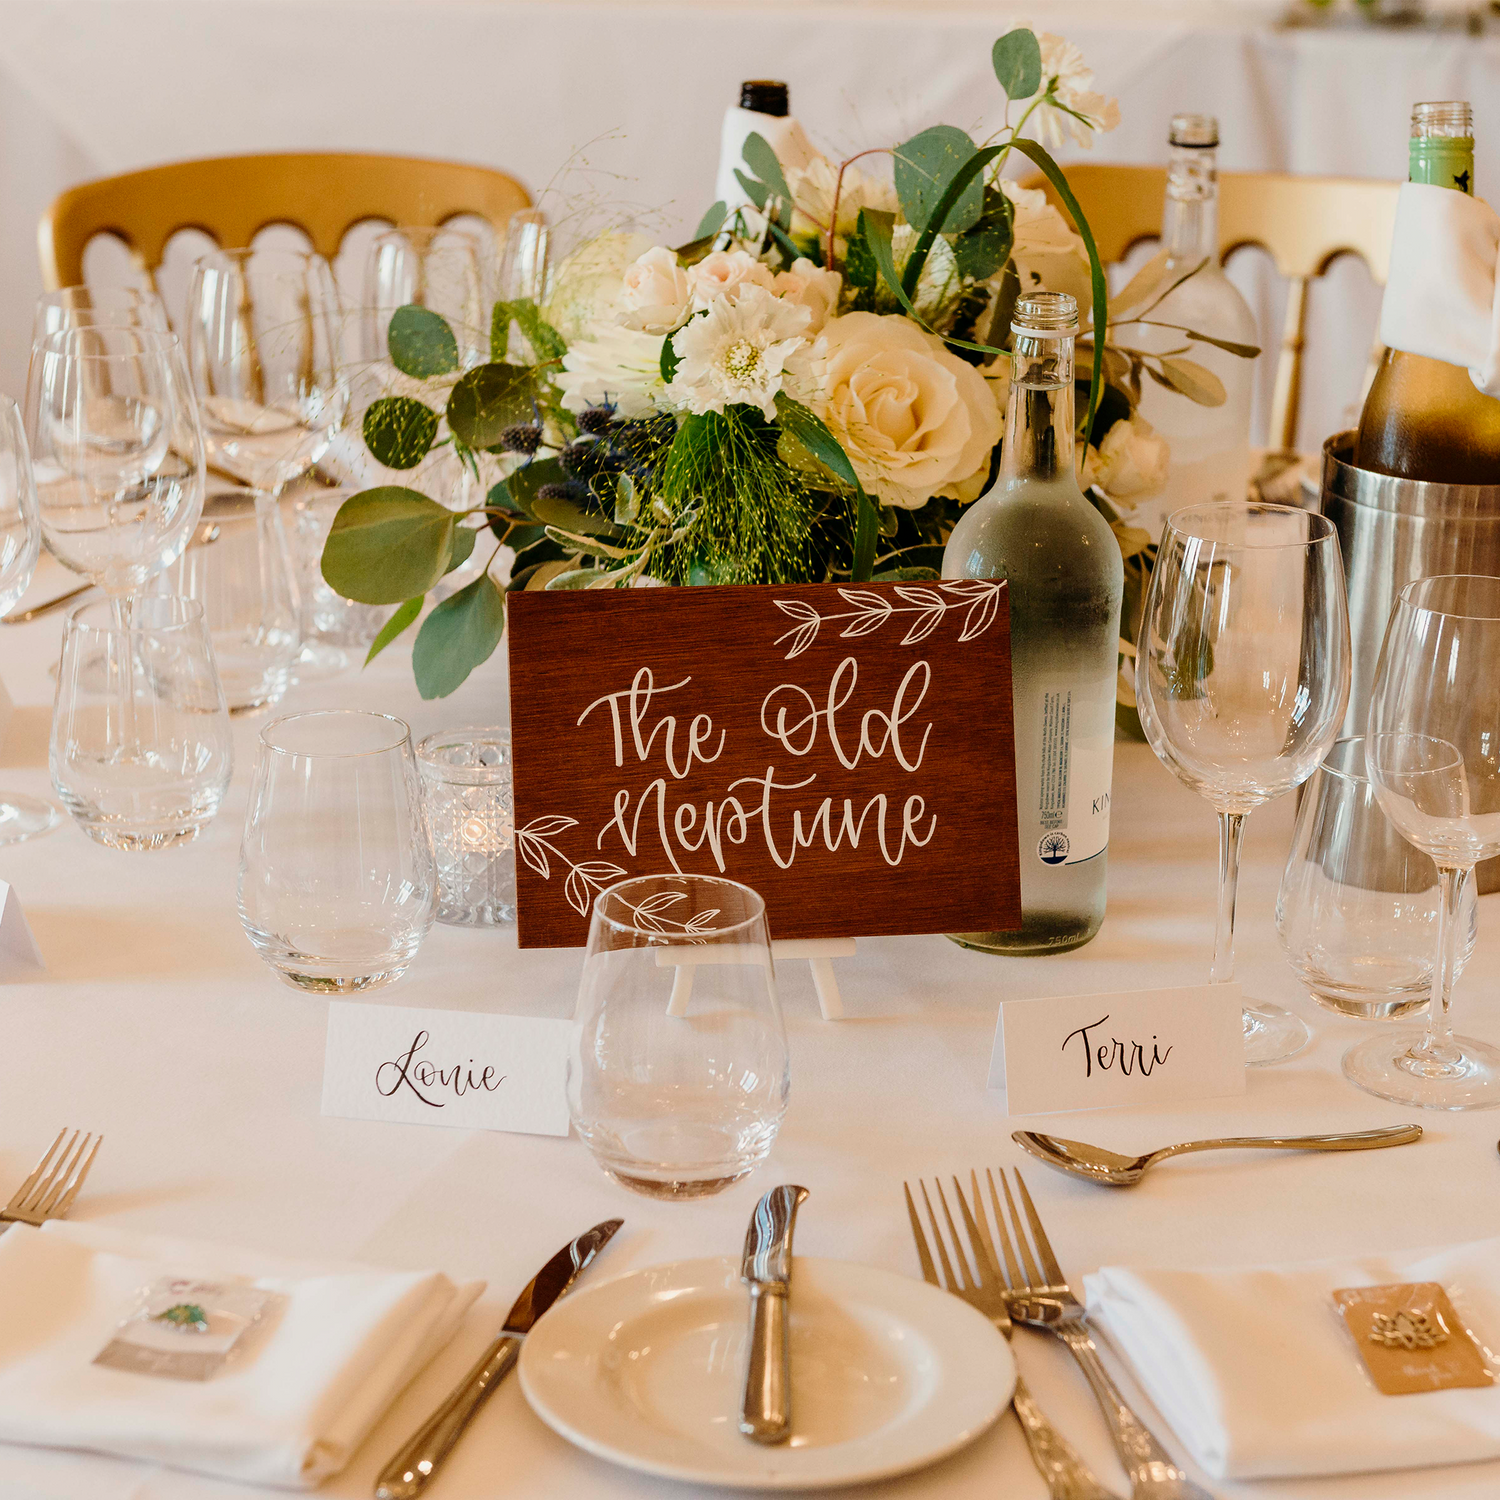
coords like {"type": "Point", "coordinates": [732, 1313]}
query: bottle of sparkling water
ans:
{"type": "Point", "coordinates": [1210, 445]}
{"type": "Point", "coordinates": [1062, 564]}
{"type": "Point", "coordinates": [1423, 418]}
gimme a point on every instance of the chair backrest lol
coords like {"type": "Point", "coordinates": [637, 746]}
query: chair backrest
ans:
{"type": "Point", "coordinates": [1303, 222]}
{"type": "Point", "coordinates": [231, 198]}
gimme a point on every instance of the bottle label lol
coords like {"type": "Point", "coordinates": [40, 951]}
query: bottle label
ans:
{"type": "Point", "coordinates": [1077, 761]}
{"type": "Point", "coordinates": [1443, 161]}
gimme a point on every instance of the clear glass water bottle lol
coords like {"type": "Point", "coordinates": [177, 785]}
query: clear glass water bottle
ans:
{"type": "Point", "coordinates": [1035, 529]}
{"type": "Point", "coordinates": [1210, 444]}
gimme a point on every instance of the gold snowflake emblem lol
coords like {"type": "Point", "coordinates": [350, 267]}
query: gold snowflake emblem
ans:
{"type": "Point", "coordinates": [1407, 1330]}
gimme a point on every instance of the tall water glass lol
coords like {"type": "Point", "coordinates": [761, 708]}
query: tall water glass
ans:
{"type": "Point", "coordinates": [1241, 681]}
{"type": "Point", "coordinates": [678, 1075]}
{"type": "Point", "coordinates": [245, 581]}
{"type": "Point", "coordinates": [337, 627]}
{"type": "Point", "coordinates": [141, 750]}
{"type": "Point", "coordinates": [117, 450]}
{"type": "Point", "coordinates": [1433, 753]}
{"type": "Point", "coordinates": [439, 269]}
{"type": "Point", "coordinates": [20, 542]}
{"type": "Point", "coordinates": [1358, 907]}
{"type": "Point", "coordinates": [264, 348]}
{"type": "Point", "coordinates": [336, 875]}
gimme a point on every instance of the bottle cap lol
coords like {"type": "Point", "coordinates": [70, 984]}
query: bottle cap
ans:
{"type": "Point", "coordinates": [1201, 131]}
{"type": "Point", "coordinates": [1443, 117]}
{"type": "Point", "coordinates": [1045, 315]}
{"type": "Point", "coordinates": [766, 96]}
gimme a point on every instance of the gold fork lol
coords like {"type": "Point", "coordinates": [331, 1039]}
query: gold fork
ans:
{"type": "Point", "coordinates": [1067, 1476]}
{"type": "Point", "coordinates": [50, 1190]}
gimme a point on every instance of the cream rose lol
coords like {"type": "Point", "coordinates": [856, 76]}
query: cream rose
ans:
{"type": "Point", "coordinates": [1048, 255]}
{"type": "Point", "coordinates": [915, 420]}
{"type": "Point", "coordinates": [656, 294]}
{"type": "Point", "coordinates": [726, 271]}
{"type": "Point", "coordinates": [1131, 463]}
{"type": "Point", "coordinates": [811, 287]}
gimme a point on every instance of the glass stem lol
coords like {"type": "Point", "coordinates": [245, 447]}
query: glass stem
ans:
{"type": "Point", "coordinates": [1231, 833]}
{"type": "Point", "coordinates": [1437, 1042]}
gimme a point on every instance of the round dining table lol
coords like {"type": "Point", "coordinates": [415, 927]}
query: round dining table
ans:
{"type": "Point", "coordinates": [156, 1024]}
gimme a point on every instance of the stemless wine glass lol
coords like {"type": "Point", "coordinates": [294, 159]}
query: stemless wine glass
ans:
{"type": "Point", "coordinates": [1433, 753]}
{"type": "Point", "coordinates": [1358, 905]}
{"type": "Point", "coordinates": [263, 343]}
{"type": "Point", "coordinates": [20, 542]}
{"type": "Point", "coordinates": [678, 1074]}
{"type": "Point", "coordinates": [438, 269]}
{"type": "Point", "coordinates": [117, 451]}
{"type": "Point", "coordinates": [80, 306]}
{"type": "Point", "coordinates": [336, 878]}
{"type": "Point", "coordinates": [141, 750]}
{"type": "Point", "coordinates": [1241, 682]}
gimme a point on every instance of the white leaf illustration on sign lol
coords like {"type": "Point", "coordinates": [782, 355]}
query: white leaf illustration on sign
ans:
{"type": "Point", "coordinates": [978, 597]}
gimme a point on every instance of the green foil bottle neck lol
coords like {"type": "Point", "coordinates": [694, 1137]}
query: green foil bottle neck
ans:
{"type": "Point", "coordinates": [1443, 161]}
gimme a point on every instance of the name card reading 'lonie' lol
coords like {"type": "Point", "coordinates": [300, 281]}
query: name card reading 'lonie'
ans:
{"type": "Point", "coordinates": [847, 750]}
{"type": "Point", "coordinates": [468, 1069]}
{"type": "Point", "coordinates": [1133, 1047]}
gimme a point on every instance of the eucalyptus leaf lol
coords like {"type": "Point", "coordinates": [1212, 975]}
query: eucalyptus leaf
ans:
{"type": "Point", "coordinates": [926, 166]}
{"type": "Point", "coordinates": [547, 344]}
{"type": "Point", "coordinates": [420, 342]}
{"type": "Point", "coordinates": [553, 510]}
{"type": "Point", "coordinates": [859, 260]}
{"type": "Point", "coordinates": [523, 484]}
{"type": "Point", "coordinates": [763, 161]}
{"type": "Point", "coordinates": [627, 500]}
{"type": "Point", "coordinates": [712, 222]}
{"type": "Point", "coordinates": [756, 191]}
{"type": "Point", "coordinates": [695, 250]}
{"type": "Point", "coordinates": [399, 431]}
{"type": "Point", "coordinates": [462, 547]}
{"type": "Point", "coordinates": [1155, 280]}
{"type": "Point", "coordinates": [1244, 351]}
{"type": "Point", "coordinates": [460, 634]}
{"type": "Point", "coordinates": [1195, 381]}
{"type": "Point", "coordinates": [547, 571]}
{"type": "Point", "coordinates": [489, 399]}
{"type": "Point", "coordinates": [1017, 58]}
{"type": "Point", "coordinates": [400, 619]}
{"type": "Point", "coordinates": [500, 498]}
{"type": "Point", "coordinates": [982, 251]}
{"type": "Point", "coordinates": [576, 578]}
{"type": "Point", "coordinates": [387, 545]}
{"type": "Point", "coordinates": [670, 359]}
{"type": "Point", "coordinates": [810, 430]}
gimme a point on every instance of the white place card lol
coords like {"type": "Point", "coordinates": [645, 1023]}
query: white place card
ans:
{"type": "Point", "coordinates": [20, 958]}
{"type": "Point", "coordinates": [1133, 1047]}
{"type": "Point", "coordinates": [467, 1069]}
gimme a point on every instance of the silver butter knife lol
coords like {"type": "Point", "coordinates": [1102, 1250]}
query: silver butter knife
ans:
{"type": "Point", "coordinates": [408, 1473]}
{"type": "Point", "coordinates": [766, 1268]}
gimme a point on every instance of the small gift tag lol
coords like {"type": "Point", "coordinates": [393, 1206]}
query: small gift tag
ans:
{"type": "Point", "coordinates": [1411, 1338]}
{"type": "Point", "coordinates": [186, 1330]}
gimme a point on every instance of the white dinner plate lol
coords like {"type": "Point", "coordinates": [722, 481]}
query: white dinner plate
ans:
{"type": "Point", "coordinates": [888, 1374]}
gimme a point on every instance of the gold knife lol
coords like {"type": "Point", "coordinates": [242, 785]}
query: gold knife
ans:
{"type": "Point", "coordinates": [409, 1472]}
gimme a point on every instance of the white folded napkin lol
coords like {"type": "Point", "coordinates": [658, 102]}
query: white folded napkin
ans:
{"type": "Point", "coordinates": [1442, 297]}
{"type": "Point", "coordinates": [290, 1414]}
{"type": "Point", "coordinates": [1257, 1374]}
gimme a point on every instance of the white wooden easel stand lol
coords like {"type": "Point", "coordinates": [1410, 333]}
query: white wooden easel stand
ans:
{"type": "Point", "coordinates": [819, 953]}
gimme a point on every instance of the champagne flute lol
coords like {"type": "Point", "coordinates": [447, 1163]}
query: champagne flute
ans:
{"type": "Point", "coordinates": [1433, 757]}
{"type": "Point", "coordinates": [438, 269]}
{"type": "Point", "coordinates": [1242, 680]}
{"type": "Point", "coordinates": [20, 542]}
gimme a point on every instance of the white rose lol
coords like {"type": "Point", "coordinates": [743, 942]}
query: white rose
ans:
{"type": "Point", "coordinates": [587, 284]}
{"type": "Point", "coordinates": [726, 271]}
{"type": "Point", "coordinates": [1048, 255]}
{"type": "Point", "coordinates": [1131, 463]}
{"type": "Point", "coordinates": [915, 420]}
{"type": "Point", "coordinates": [811, 287]}
{"type": "Point", "coordinates": [656, 293]}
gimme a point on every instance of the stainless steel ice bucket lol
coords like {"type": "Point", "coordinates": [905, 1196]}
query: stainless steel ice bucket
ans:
{"type": "Point", "coordinates": [1392, 531]}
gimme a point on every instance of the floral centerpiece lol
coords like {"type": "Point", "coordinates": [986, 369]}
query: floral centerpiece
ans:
{"type": "Point", "coordinates": [810, 389]}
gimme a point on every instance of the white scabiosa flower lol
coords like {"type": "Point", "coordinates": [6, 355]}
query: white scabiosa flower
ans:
{"type": "Point", "coordinates": [739, 352]}
{"type": "Point", "coordinates": [613, 366]}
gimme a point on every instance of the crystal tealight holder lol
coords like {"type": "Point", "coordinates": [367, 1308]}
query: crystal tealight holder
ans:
{"type": "Point", "coordinates": [466, 786]}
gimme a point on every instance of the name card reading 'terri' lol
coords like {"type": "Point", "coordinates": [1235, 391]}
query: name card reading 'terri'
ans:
{"type": "Point", "coordinates": [846, 750]}
{"type": "Point", "coordinates": [471, 1070]}
{"type": "Point", "coordinates": [1066, 1052]}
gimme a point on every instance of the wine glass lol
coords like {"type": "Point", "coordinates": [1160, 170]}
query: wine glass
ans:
{"type": "Point", "coordinates": [1241, 682]}
{"type": "Point", "coordinates": [1433, 756]}
{"type": "Point", "coordinates": [117, 449]}
{"type": "Point", "coordinates": [438, 269]}
{"type": "Point", "coordinates": [80, 306]}
{"type": "Point", "coordinates": [263, 331]}
{"type": "Point", "coordinates": [678, 1073]}
{"type": "Point", "coordinates": [20, 542]}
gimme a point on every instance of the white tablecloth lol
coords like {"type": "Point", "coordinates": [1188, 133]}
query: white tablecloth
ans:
{"type": "Point", "coordinates": [160, 1027]}
{"type": "Point", "coordinates": [615, 105]}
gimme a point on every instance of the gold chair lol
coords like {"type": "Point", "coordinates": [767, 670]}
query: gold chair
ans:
{"type": "Point", "coordinates": [1303, 222]}
{"type": "Point", "coordinates": [231, 198]}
